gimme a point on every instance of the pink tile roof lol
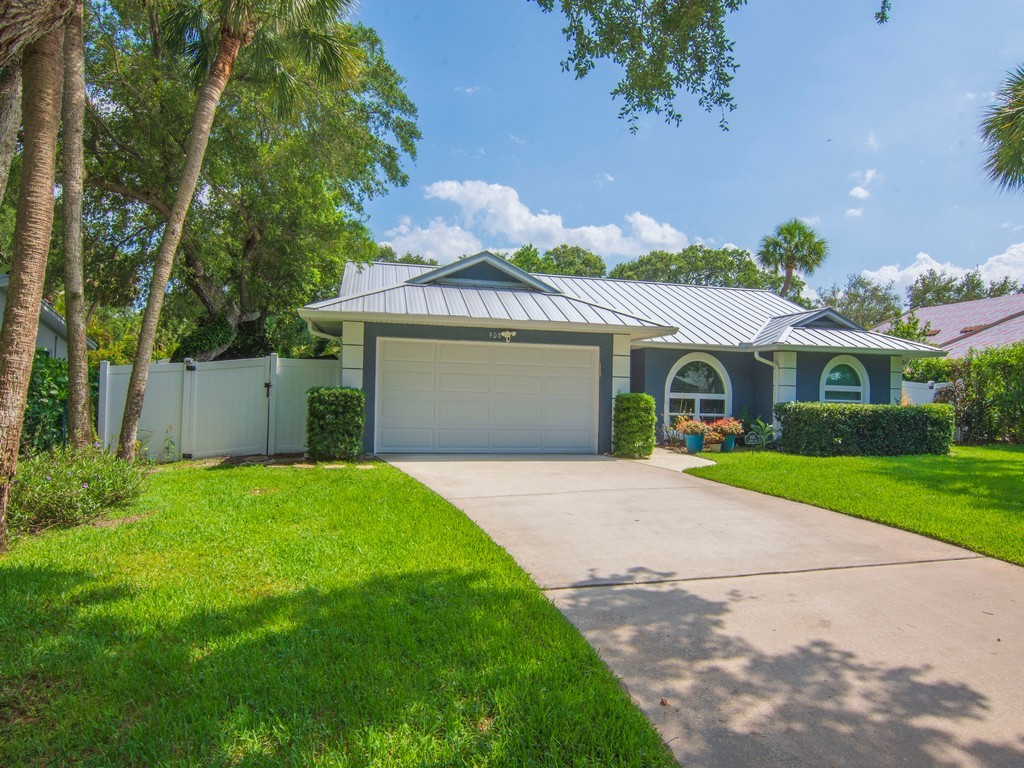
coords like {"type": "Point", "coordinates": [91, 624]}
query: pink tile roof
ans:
{"type": "Point", "coordinates": [974, 324]}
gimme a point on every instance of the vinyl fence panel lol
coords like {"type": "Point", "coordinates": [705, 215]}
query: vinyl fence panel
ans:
{"type": "Point", "coordinates": [222, 408]}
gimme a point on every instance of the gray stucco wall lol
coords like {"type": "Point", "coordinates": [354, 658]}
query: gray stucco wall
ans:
{"type": "Point", "coordinates": [373, 331]}
{"type": "Point", "coordinates": [809, 366]}
{"type": "Point", "coordinates": [751, 381]}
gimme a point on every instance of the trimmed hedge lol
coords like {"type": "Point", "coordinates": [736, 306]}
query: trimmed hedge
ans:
{"type": "Point", "coordinates": [836, 429]}
{"type": "Point", "coordinates": [335, 418]}
{"type": "Point", "coordinates": [633, 425]}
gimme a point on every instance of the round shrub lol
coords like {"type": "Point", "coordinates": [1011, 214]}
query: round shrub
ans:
{"type": "Point", "coordinates": [633, 425]}
{"type": "Point", "coordinates": [65, 487]}
{"type": "Point", "coordinates": [335, 418]}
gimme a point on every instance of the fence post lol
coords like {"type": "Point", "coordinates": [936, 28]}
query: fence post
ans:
{"type": "Point", "coordinates": [272, 404]}
{"type": "Point", "coordinates": [189, 392]}
{"type": "Point", "coordinates": [101, 405]}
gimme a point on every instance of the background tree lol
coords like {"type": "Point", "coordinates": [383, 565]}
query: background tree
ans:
{"type": "Point", "coordinates": [793, 246]}
{"type": "Point", "coordinates": [386, 253]}
{"type": "Point", "coordinates": [935, 288]}
{"type": "Point", "coordinates": [561, 260]}
{"type": "Point", "coordinates": [280, 32]}
{"type": "Point", "coordinates": [41, 98]}
{"type": "Point", "coordinates": [863, 300]}
{"type": "Point", "coordinates": [700, 265]}
{"type": "Point", "coordinates": [527, 258]}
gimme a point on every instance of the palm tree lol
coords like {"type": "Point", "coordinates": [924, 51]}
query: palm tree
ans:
{"type": "Point", "coordinates": [41, 96]}
{"type": "Point", "coordinates": [10, 119]}
{"type": "Point", "coordinates": [212, 34]}
{"type": "Point", "coordinates": [73, 124]}
{"type": "Point", "coordinates": [1002, 130]}
{"type": "Point", "coordinates": [22, 22]}
{"type": "Point", "coordinates": [792, 246]}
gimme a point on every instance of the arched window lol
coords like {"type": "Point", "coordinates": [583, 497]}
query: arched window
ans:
{"type": "Point", "coordinates": [698, 385]}
{"type": "Point", "coordinates": [845, 380]}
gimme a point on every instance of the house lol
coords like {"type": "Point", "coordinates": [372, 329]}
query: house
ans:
{"type": "Point", "coordinates": [53, 333]}
{"type": "Point", "coordinates": [480, 356]}
{"type": "Point", "coordinates": [958, 328]}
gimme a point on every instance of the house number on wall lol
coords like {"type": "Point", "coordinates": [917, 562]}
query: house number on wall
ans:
{"type": "Point", "coordinates": [506, 335]}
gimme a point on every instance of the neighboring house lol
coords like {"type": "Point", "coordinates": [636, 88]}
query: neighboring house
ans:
{"type": "Point", "coordinates": [53, 333]}
{"type": "Point", "coordinates": [480, 356]}
{"type": "Point", "coordinates": [958, 328]}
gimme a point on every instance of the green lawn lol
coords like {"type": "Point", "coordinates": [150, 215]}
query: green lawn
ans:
{"type": "Point", "coordinates": [974, 497]}
{"type": "Point", "coordinates": [287, 616]}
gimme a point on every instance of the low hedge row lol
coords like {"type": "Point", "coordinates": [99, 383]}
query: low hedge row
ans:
{"type": "Point", "coordinates": [335, 419]}
{"type": "Point", "coordinates": [633, 425]}
{"type": "Point", "coordinates": [835, 429]}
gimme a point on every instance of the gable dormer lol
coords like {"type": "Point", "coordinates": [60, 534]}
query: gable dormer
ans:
{"type": "Point", "coordinates": [826, 318]}
{"type": "Point", "coordinates": [483, 269]}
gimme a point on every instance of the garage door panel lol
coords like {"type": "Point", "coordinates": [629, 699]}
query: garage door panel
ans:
{"type": "Point", "coordinates": [463, 382]}
{"type": "Point", "coordinates": [409, 438]}
{"type": "Point", "coordinates": [463, 439]}
{"type": "Point", "coordinates": [407, 381]}
{"type": "Point", "coordinates": [408, 351]}
{"type": "Point", "coordinates": [518, 384]}
{"type": "Point", "coordinates": [486, 397]}
{"type": "Point", "coordinates": [414, 412]}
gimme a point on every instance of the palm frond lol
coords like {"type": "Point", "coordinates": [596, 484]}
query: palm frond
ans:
{"type": "Point", "coordinates": [1002, 131]}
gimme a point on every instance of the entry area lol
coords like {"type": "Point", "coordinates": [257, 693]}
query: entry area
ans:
{"type": "Point", "coordinates": [483, 397]}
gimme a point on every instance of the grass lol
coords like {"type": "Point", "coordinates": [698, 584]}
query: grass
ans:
{"type": "Point", "coordinates": [973, 497]}
{"type": "Point", "coordinates": [263, 616]}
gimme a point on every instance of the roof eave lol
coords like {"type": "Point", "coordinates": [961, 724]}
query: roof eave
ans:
{"type": "Point", "coordinates": [311, 316]}
{"type": "Point", "coordinates": [914, 353]}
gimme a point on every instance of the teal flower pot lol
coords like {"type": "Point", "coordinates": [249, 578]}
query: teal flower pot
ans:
{"type": "Point", "coordinates": [694, 443]}
{"type": "Point", "coordinates": [728, 443]}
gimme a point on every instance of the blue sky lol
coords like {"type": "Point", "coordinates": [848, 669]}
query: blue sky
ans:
{"type": "Point", "coordinates": [870, 133]}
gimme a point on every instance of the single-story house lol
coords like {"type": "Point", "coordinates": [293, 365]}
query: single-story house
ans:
{"type": "Point", "coordinates": [480, 356]}
{"type": "Point", "coordinates": [53, 332]}
{"type": "Point", "coordinates": [958, 328]}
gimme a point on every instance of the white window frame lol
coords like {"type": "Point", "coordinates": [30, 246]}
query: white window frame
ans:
{"type": "Point", "coordinates": [865, 382]}
{"type": "Point", "coordinates": [695, 357]}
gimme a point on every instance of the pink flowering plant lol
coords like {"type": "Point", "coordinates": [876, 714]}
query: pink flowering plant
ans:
{"type": "Point", "coordinates": [688, 425]}
{"type": "Point", "coordinates": [722, 428]}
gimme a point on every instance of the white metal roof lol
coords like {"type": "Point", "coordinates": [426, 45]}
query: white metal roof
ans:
{"type": "Point", "coordinates": [702, 316]}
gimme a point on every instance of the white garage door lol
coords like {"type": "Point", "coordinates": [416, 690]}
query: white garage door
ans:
{"type": "Point", "coordinates": [469, 397]}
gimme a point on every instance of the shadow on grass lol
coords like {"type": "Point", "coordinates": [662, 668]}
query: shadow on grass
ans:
{"type": "Point", "coordinates": [723, 702]}
{"type": "Point", "coordinates": [430, 668]}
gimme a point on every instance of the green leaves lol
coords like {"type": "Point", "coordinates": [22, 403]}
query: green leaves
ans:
{"type": "Point", "coordinates": [1002, 131]}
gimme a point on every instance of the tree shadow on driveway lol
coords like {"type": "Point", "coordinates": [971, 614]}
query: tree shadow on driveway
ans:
{"type": "Point", "coordinates": [723, 698]}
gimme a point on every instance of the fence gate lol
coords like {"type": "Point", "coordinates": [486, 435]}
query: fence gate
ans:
{"type": "Point", "coordinates": [224, 408]}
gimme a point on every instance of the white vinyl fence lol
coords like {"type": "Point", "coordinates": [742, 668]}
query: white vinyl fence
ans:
{"type": "Point", "coordinates": [922, 394]}
{"type": "Point", "coordinates": [226, 408]}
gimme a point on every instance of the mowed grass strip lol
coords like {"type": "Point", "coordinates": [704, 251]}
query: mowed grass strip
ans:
{"type": "Point", "coordinates": [282, 616]}
{"type": "Point", "coordinates": [973, 497]}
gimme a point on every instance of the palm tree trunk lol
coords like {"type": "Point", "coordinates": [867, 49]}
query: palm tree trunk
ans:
{"type": "Point", "coordinates": [80, 426]}
{"type": "Point", "coordinates": [790, 268]}
{"type": "Point", "coordinates": [41, 70]}
{"type": "Point", "coordinates": [202, 123]}
{"type": "Point", "coordinates": [10, 119]}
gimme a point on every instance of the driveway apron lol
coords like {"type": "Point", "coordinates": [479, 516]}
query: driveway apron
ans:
{"type": "Point", "coordinates": [755, 631]}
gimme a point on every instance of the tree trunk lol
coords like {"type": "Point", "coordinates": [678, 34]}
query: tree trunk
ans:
{"type": "Point", "coordinates": [10, 120]}
{"type": "Point", "coordinates": [790, 268]}
{"type": "Point", "coordinates": [41, 70]}
{"type": "Point", "coordinates": [202, 122]}
{"type": "Point", "coordinates": [80, 427]}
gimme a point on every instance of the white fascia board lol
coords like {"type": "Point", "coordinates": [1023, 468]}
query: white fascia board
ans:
{"type": "Point", "coordinates": [311, 315]}
{"type": "Point", "coordinates": [912, 353]}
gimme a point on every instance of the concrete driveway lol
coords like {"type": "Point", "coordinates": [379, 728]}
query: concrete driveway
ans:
{"type": "Point", "coordinates": [754, 631]}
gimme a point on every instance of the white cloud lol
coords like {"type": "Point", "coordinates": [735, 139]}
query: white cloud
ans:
{"type": "Point", "coordinates": [864, 178]}
{"type": "Point", "coordinates": [872, 142]}
{"type": "Point", "coordinates": [1009, 263]}
{"type": "Point", "coordinates": [854, 213]}
{"type": "Point", "coordinates": [810, 221]}
{"type": "Point", "coordinates": [467, 90]}
{"type": "Point", "coordinates": [438, 240]}
{"type": "Point", "coordinates": [860, 193]}
{"type": "Point", "coordinates": [604, 178]}
{"type": "Point", "coordinates": [496, 211]}
{"type": "Point", "coordinates": [516, 139]}
{"type": "Point", "coordinates": [971, 96]}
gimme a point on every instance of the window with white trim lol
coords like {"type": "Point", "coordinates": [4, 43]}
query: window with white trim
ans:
{"type": "Point", "coordinates": [697, 387]}
{"type": "Point", "coordinates": [844, 380]}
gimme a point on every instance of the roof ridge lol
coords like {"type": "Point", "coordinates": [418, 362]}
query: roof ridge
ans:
{"type": "Point", "coordinates": [986, 327]}
{"type": "Point", "coordinates": [660, 282]}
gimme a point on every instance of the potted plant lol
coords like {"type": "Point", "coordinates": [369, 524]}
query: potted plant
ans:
{"type": "Point", "coordinates": [725, 431]}
{"type": "Point", "coordinates": [694, 431]}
